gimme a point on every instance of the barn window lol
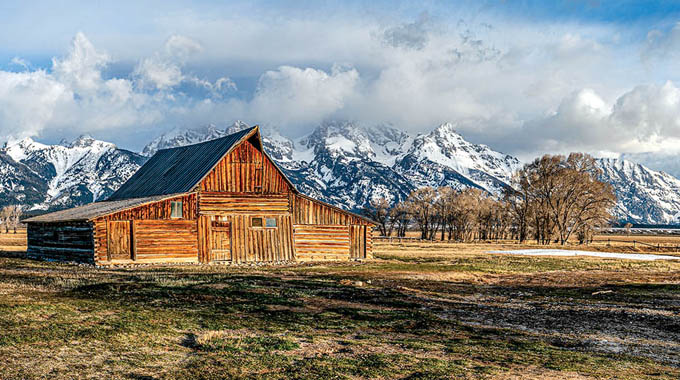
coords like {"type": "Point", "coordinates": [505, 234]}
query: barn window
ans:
{"type": "Point", "coordinates": [256, 222]}
{"type": "Point", "coordinates": [175, 209]}
{"type": "Point", "coordinates": [271, 222]}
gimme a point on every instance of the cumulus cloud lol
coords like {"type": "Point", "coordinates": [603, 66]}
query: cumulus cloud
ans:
{"type": "Point", "coordinates": [164, 69]}
{"type": "Point", "coordinates": [523, 88]}
{"type": "Point", "coordinates": [412, 35]}
{"type": "Point", "coordinates": [72, 96]}
{"type": "Point", "coordinates": [661, 43]}
{"type": "Point", "coordinates": [80, 70]}
{"type": "Point", "coordinates": [641, 122]}
{"type": "Point", "coordinates": [28, 101]}
{"type": "Point", "coordinates": [292, 95]}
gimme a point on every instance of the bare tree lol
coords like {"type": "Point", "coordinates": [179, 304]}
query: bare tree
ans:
{"type": "Point", "coordinates": [15, 217]}
{"type": "Point", "coordinates": [519, 204]}
{"type": "Point", "coordinates": [421, 206]}
{"type": "Point", "coordinates": [627, 227]}
{"type": "Point", "coordinates": [399, 219]}
{"type": "Point", "coordinates": [379, 211]}
{"type": "Point", "coordinates": [465, 210]}
{"type": "Point", "coordinates": [565, 196]}
{"type": "Point", "coordinates": [6, 215]}
{"type": "Point", "coordinates": [446, 199]}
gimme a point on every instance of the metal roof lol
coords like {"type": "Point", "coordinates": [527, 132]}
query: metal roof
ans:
{"type": "Point", "coordinates": [178, 170]}
{"type": "Point", "coordinates": [96, 209]}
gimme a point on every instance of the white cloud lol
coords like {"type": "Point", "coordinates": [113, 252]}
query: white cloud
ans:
{"type": "Point", "coordinates": [410, 35]}
{"type": "Point", "coordinates": [291, 95]}
{"type": "Point", "coordinates": [641, 122]}
{"type": "Point", "coordinates": [28, 101]}
{"type": "Point", "coordinates": [522, 87]}
{"type": "Point", "coordinates": [21, 63]}
{"type": "Point", "coordinates": [80, 70]}
{"type": "Point", "coordinates": [163, 70]}
{"type": "Point", "coordinates": [73, 96]}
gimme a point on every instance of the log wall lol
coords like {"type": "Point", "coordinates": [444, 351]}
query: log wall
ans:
{"type": "Point", "coordinates": [155, 227]}
{"type": "Point", "coordinates": [245, 170]}
{"type": "Point", "coordinates": [67, 241]}
{"type": "Point", "coordinates": [321, 242]}
{"type": "Point", "coordinates": [361, 242]}
{"type": "Point", "coordinates": [165, 240]}
{"type": "Point", "coordinates": [309, 211]}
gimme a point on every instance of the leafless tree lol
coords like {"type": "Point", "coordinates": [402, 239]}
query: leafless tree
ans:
{"type": "Point", "coordinates": [421, 206]}
{"type": "Point", "coordinates": [17, 211]}
{"type": "Point", "coordinates": [11, 216]}
{"type": "Point", "coordinates": [379, 211]}
{"type": "Point", "coordinates": [399, 219]}
{"type": "Point", "coordinates": [564, 196]}
{"type": "Point", "coordinates": [628, 227]}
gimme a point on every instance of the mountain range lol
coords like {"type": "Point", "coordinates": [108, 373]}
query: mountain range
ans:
{"type": "Point", "coordinates": [340, 162]}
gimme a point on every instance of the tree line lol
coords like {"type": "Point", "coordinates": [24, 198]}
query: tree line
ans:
{"type": "Point", "coordinates": [553, 198]}
{"type": "Point", "coordinates": [10, 217]}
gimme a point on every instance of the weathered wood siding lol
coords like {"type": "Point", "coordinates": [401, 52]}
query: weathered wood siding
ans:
{"type": "Point", "coordinates": [250, 244]}
{"type": "Point", "coordinates": [67, 241]}
{"type": "Point", "coordinates": [309, 211]}
{"type": "Point", "coordinates": [245, 170]}
{"type": "Point", "coordinates": [153, 229]}
{"type": "Point", "coordinates": [165, 240]}
{"type": "Point", "coordinates": [321, 242]}
{"type": "Point", "coordinates": [369, 242]}
{"type": "Point", "coordinates": [158, 210]}
{"type": "Point", "coordinates": [361, 242]}
{"type": "Point", "coordinates": [219, 203]}
{"type": "Point", "coordinates": [204, 241]}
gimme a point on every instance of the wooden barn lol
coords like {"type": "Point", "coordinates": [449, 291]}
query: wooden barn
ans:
{"type": "Point", "coordinates": [223, 200]}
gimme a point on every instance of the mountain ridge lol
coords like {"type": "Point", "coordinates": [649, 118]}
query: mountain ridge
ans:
{"type": "Point", "coordinates": [345, 163]}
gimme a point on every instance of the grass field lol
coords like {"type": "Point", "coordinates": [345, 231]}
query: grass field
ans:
{"type": "Point", "coordinates": [420, 310]}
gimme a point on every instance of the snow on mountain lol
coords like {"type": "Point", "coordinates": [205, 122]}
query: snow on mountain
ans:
{"type": "Point", "coordinates": [341, 162]}
{"type": "Point", "coordinates": [348, 163]}
{"type": "Point", "coordinates": [444, 158]}
{"type": "Point", "coordinates": [180, 137]}
{"type": "Point", "coordinates": [644, 195]}
{"type": "Point", "coordinates": [64, 175]}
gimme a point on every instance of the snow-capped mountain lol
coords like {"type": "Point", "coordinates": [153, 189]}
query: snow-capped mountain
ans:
{"type": "Point", "coordinates": [348, 163]}
{"type": "Point", "coordinates": [64, 175]}
{"type": "Point", "coordinates": [444, 158]}
{"type": "Point", "coordinates": [644, 195]}
{"type": "Point", "coordinates": [340, 162]}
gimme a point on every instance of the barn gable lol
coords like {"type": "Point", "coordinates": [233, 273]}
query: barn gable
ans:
{"type": "Point", "coordinates": [246, 169]}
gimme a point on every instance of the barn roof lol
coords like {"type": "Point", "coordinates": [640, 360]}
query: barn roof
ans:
{"type": "Point", "coordinates": [178, 170]}
{"type": "Point", "coordinates": [96, 209]}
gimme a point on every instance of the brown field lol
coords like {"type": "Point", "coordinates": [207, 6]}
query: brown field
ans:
{"type": "Point", "coordinates": [420, 310]}
{"type": "Point", "coordinates": [634, 243]}
{"type": "Point", "coordinates": [12, 241]}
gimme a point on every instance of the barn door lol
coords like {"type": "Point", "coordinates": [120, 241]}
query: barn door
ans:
{"type": "Point", "coordinates": [357, 242]}
{"type": "Point", "coordinates": [119, 240]}
{"type": "Point", "coordinates": [220, 240]}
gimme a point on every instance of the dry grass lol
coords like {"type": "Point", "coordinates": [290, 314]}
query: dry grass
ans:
{"type": "Point", "coordinates": [13, 242]}
{"type": "Point", "coordinates": [419, 310]}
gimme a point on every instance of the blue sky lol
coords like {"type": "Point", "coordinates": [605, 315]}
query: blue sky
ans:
{"type": "Point", "coordinates": [525, 77]}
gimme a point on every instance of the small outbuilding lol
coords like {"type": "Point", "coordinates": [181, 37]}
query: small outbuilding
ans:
{"type": "Point", "coordinates": [223, 200]}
